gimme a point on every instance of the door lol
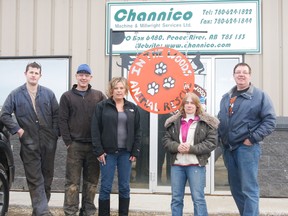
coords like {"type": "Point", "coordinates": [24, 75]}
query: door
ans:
{"type": "Point", "coordinates": [161, 169]}
{"type": "Point", "coordinates": [151, 171]}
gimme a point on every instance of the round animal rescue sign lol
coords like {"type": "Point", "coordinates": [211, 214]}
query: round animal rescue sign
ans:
{"type": "Point", "coordinates": [159, 78]}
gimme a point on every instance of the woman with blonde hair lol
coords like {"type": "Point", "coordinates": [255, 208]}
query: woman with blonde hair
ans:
{"type": "Point", "coordinates": [116, 138]}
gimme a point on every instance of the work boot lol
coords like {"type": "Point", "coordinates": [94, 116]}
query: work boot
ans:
{"type": "Point", "coordinates": [124, 206]}
{"type": "Point", "coordinates": [104, 207]}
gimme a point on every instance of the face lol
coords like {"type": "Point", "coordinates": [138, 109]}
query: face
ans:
{"type": "Point", "coordinates": [33, 75]}
{"type": "Point", "coordinates": [189, 106]}
{"type": "Point", "coordinates": [242, 77]}
{"type": "Point", "coordinates": [83, 80]}
{"type": "Point", "coordinates": [119, 91]}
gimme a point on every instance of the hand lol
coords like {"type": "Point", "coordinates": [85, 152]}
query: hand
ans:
{"type": "Point", "coordinates": [247, 142]}
{"type": "Point", "coordinates": [183, 148]}
{"type": "Point", "coordinates": [20, 132]}
{"type": "Point", "coordinates": [102, 159]}
{"type": "Point", "coordinates": [132, 158]}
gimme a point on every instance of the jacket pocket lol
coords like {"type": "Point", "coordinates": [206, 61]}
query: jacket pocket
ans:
{"type": "Point", "coordinates": [21, 110]}
{"type": "Point", "coordinates": [26, 139]}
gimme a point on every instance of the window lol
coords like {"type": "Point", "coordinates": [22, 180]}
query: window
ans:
{"type": "Point", "coordinates": [55, 74]}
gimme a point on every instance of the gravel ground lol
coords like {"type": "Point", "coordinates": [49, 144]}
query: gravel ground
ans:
{"type": "Point", "coordinates": [25, 211]}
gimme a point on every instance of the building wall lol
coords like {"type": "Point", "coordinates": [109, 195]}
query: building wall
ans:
{"type": "Point", "coordinates": [50, 27]}
{"type": "Point", "coordinates": [269, 67]}
{"type": "Point", "coordinates": [76, 28]}
{"type": "Point", "coordinates": [273, 172]}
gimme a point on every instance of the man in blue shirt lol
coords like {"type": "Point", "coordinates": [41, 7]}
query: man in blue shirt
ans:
{"type": "Point", "coordinates": [36, 110]}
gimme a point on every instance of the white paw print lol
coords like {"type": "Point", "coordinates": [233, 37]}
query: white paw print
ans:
{"type": "Point", "coordinates": [160, 68]}
{"type": "Point", "coordinates": [153, 88]}
{"type": "Point", "coordinates": [169, 83]}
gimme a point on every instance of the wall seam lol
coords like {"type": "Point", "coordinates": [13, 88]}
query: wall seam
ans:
{"type": "Point", "coordinates": [261, 80]}
{"type": "Point", "coordinates": [52, 33]}
{"type": "Point", "coordinates": [35, 7]}
{"type": "Point", "coordinates": [70, 26]}
{"type": "Point", "coordinates": [88, 43]}
{"type": "Point", "coordinates": [17, 28]}
{"type": "Point", "coordinates": [281, 53]}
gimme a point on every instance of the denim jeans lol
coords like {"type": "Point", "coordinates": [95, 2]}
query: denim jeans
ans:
{"type": "Point", "coordinates": [242, 166]}
{"type": "Point", "coordinates": [196, 176]}
{"type": "Point", "coordinates": [120, 159]}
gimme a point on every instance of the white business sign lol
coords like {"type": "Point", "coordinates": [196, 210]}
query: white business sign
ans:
{"type": "Point", "coordinates": [216, 26]}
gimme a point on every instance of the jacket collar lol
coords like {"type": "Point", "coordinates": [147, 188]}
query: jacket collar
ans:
{"type": "Point", "coordinates": [111, 101]}
{"type": "Point", "coordinates": [75, 86]}
{"type": "Point", "coordinates": [39, 88]}
{"type": "Point", "coordinates": [210, 120]}
{"type": "Point", "coordinates": [248, 94]}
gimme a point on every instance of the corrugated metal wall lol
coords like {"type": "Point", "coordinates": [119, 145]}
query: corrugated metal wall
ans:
{"type": "Point", "coordinates": [77, 28]}
{"type": "Point", "coordinates": [56, 27]}
{"type": "Point", "coordinates": [270, 68]}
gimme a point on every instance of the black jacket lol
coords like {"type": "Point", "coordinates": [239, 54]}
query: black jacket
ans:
{"type": "Point", "coordinates": [104, 128]}
{"type": "Point", "coordinates": [75, 114]}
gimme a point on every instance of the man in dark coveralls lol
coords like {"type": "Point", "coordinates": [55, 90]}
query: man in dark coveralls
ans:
{"type": "Point", "coordinates": [36, 110]}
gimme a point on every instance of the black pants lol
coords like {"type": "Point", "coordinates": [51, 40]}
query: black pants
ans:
{"type": "Point", "coordinates": [81, 160]}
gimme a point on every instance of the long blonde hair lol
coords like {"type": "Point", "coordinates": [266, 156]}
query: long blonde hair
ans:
{"type": "Point", "coordinates": [196, 101]}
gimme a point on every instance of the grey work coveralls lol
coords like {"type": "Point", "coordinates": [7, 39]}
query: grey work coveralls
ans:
{"type": "Point", "coordinates": [38, 143]}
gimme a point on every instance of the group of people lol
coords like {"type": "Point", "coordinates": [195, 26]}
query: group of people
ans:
{"type": "Point", "coordinates": [95, 129]}
{"type": "Point", "coordinates": [245, 118]}
{"type": "Point", "coordinates": [104, 133]}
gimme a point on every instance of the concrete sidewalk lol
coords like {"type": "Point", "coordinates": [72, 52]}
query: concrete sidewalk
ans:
{"type": "Point", "coordinates": [158, 204]}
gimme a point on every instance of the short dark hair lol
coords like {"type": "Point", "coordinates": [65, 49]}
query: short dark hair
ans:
{"type": "Point", "coordinates": [33, 65]}
{"type": "Point", "coordinates": [242, 64]}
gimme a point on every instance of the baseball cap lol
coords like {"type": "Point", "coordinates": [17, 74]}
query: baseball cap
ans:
{"type": "Point", "coordinates": [84, 68]}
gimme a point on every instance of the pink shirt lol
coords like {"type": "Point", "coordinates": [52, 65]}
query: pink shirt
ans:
{"type": "Point", "coordinates": [185, 127]}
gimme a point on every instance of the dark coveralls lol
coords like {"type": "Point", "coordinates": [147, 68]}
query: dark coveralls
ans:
{"type": "Point", "coordinates": [38, 143]}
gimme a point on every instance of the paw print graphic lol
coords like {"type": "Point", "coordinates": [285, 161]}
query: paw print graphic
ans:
{"type": "Point", "coordinates": [160, 68]}
{"type": "Point", "coordinates": [153, 88]}
{"type": "Point", "coordinates": [169, 83]}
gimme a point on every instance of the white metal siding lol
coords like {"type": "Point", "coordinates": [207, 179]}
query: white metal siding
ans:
{"type": "Point", "coordinates": [77, 28]}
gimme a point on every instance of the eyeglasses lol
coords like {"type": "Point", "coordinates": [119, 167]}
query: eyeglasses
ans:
{"type": "Point", "coordinates": [242, 72]}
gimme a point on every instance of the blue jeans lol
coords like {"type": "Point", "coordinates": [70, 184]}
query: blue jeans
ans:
{"type": "Point", "coordinates": [120, 160]}
{"type": "Point", "coordinates": [196, 176]}
{"type": "Point", "coordinates": [242, 166]}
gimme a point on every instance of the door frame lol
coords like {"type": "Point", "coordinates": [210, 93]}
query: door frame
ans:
{"type": "Point", "coordinates": [209, 62]}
